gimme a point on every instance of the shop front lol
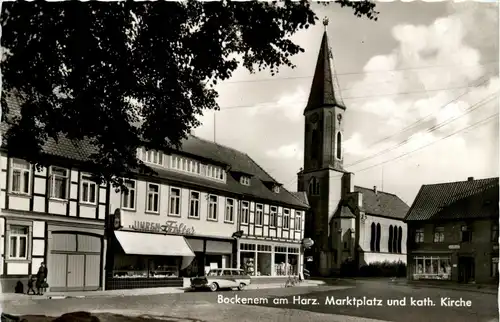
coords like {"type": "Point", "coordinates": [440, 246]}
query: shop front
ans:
{"type": "Point", "coordinates": [435, 267]}
{"type": "Point", "coordinates": [270, 259]}
{"type": "Point", "coordinates": [210, 253]}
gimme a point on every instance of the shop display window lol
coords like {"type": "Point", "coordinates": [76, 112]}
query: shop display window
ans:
{"type": "Point", "coordinates": [432, 268]}
{"type": "Point", "coordinates": [133, 266]}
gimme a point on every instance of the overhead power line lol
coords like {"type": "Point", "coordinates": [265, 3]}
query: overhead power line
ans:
{"type": "Point", "coordinates": [429, 130]}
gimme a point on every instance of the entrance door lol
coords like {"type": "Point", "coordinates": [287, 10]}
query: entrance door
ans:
{"type": "Point", "coordinates": [76, 271]}
{"type": "Point", "coordinates": [466, 269]}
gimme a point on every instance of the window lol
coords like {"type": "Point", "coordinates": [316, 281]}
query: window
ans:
{"type": "Point", "coordinates": [434, 268]}
{"type": "Point", "coordinates": [315, 144]}
{"type": "Point", "coordinates": [400, 240]}
{"type": "Point", "coordinates": [151, 156]}
{"type": "Point", "coordinates": [338, 152]}
{"type": "Point", "coordinates": [194, 204]}
{"type": "Point", "coordinates": [419, 235]}
{"type": "Point", "coordinates": [245, 212]}
{"type": "Point", "coordinates": [215, 172]}
{"type": "Point", "coordinates": [466, 234]}
{"type": "Point", "coordinates": [391, 238]}
{"type": "Point", "coordinates": [89, 190]}
{"type": "Point", "coordinates": [273, 216]}
{"type": "Point", "coordinates": [494, 233]}
{"type": "Point", "coordinates": [259, 214]}
{"type": "Point", "coordinates": [314, 186]}
{"type": "Point", "coordinates": [439, 234]}
{"type": "Point", "coordinates": [212, 207]}
{"type": "Point", "coordinates": [286, 218]}
{"type": "Point", "coordinates": [297, 220]}
{"type": "Point", "coordinates": [395, 238]}
{"type": "Point", "coordinates": [153, 198]}
{"type": "Point", "coordinates": [20, 176]}
{"type": "Point", "coordinates": [175, 202]}
{"type": "Point", "coordinates": [373, 236]}
{"type": "Point", "coordinates": [229, 217]}
{"type": "Point", "coordinates": [276, 189]}
{"type": "Point", "coordinates": [245, 181]}
{"type": "Point", "coordinates": [184, 164]}
{"type": "Point", "coordinates": [377, 245]}
{"type": "Point", "coordinates": [18, 242]}
{"type": "Point", "coordinates": [59, 183]}
{"type": "Point", "coordinates": [128, 195]}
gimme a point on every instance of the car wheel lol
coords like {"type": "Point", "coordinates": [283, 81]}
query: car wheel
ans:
{"type": "Point", "coordinates": [242, 286]}
{"type": "Point", "coordinates": [214, 287]}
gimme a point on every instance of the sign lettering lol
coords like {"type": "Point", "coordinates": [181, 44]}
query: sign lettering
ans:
{"type": "Point", "coordinates": [171, 227]}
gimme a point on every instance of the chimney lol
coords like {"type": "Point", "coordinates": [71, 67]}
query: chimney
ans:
{"type": "Point", "coordinates": [375, 189]}
{"type": "Point", "coordinates": [470, 179]}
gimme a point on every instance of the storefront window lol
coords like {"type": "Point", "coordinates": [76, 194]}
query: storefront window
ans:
{"type": "Point", "coordinates": [432, 268]}
{"type": "Point", "coordinates": [247, 262]}
{"type": "Point", "coordinates": [131, 266]}
{"type": "Point", "coordinates": [293, 261]}
{"type": "Point", "coordinates": [264, 258]}
{"type": "Point", "coordinates": [280, 262]}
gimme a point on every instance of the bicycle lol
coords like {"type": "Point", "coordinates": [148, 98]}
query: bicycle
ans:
{"type": "Point", "coordinates": [292, 281]}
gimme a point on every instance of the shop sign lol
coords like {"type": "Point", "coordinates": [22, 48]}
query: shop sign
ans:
{"type": "Point", "coordinates": [454, 247]}
{"type": "Point", "coordinates": [170, 227]}
{"type": "Point", "coordinates": [494, 259]}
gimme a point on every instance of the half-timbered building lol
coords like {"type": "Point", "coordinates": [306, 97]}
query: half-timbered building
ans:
{"type": "Point", "coordinates": [52, 214]}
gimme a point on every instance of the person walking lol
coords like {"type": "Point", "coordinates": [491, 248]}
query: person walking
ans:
{"type": "Point", "coordinates": [41, 278]}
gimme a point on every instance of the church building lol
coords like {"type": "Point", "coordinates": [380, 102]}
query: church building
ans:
{"type": "Point", "coordinates": [348, 223]}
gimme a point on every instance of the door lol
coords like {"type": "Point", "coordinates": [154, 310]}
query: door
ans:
{"type": "Point", "coordinates": [466, 269]}
{"type": "Point", "coordinates": [76, 271]}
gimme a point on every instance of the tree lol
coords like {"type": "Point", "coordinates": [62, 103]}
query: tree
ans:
{"type": "Point", "coordinates": [119, 75]}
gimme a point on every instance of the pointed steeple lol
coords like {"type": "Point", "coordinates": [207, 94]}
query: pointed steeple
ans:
{"type": "Point", "coordinates": [324, 89]}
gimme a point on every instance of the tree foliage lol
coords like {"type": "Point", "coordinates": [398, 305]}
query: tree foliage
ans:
{"type": "Point", "coordinates": [124, 74]}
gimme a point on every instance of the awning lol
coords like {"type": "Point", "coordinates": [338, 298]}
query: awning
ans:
{"type": "Point", "coordinates": [153, 244]}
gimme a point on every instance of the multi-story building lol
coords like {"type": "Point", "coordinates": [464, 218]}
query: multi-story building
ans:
{"type": "Point", "coordinates": [53, 214]}
{"type": "Point", "coordinates": [208, 206]}
{"type": "Point", "coordinates": [453, 230]}
{"type": "Point", "coordinates": [346, 222]}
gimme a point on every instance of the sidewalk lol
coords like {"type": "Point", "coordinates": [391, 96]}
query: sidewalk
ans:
{"type": "Point", "coordinates": [481, 288]}
{"type": "Point", "coordinates": [137, 292]}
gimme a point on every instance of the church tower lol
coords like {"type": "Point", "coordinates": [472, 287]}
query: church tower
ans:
{"type": "Point", "coordinates": [323, 176]}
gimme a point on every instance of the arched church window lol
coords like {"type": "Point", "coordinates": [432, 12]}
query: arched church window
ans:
{"type": "Point", "coordinates": [314, 186]}
{"type": "Point", "coordinates": [373, 237]}
{"type": "Point", "coordinates": [395, 240]}
{"type": "Point", "coordinates": [389, 245]}
{"type": "Point", "coordinates": [339, 146]}
{"type": "Point", "coordinates": [377, 243]}
{"type": "Point", "coordinates": [315, 144]}
{"type": "Point", "coordinates": [400, 239]}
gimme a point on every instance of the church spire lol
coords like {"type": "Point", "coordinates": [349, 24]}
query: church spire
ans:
{"type": "Point", "coordinates": [325, 91]}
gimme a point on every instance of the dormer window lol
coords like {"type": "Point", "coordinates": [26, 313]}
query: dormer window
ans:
{"type": "Point", "coordinates": [245, 180]}
{"type": "Point", "coordinates": [276, 189]}
{"type": "Point", "coordinates": [150, 156]}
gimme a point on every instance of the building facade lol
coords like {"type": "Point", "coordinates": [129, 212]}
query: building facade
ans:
{"type": "Point", "coordinates": [54, 215]}
{"type": "Point", "coordinates": [341, 214]}
{"type": "Point", "coordinates": [454, 232]}
{"type": "Point", "coordinates": [209, 206]}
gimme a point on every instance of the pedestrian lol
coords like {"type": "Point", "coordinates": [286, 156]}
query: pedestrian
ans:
{"type": "Point", "coordinates": [41, 278]}
{"type": "Point", "coordinates": [31, 281]}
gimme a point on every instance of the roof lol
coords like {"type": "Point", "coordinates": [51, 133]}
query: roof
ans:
{"type": "Point", "coordinates": [471, 199]}
{"type": "Point", "coordinates": [236, 160]}
{"type": "Point", "coordinates": [324, 89]}
{"type": "Point", "coordinates": [302, 196]}
{"type": "Point", "coordinates": [382, 203]}
{"type": "Point", "coordinates": [346, 212]}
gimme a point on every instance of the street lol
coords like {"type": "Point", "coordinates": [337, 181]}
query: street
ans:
{"type": "Point", "coordinates": [323, 303]}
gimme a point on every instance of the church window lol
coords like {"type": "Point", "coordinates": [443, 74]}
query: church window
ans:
{"type": "Point", "coordinates": [314, 186]}
{"type": "Point", "coordinates": [390, 239]}
{"type": "Point", "coordinates": [395, 237]}
{"type": "Point", "coordinates": [373, 237]}
{"type": "Point", "coordinates": [315, 144]}
{"type": "Point", "coordinates": [400, 239]}
{"type": "Point", "coordinates": [377, 242]}
{"type": "Point", "coordinates": [338, 152]}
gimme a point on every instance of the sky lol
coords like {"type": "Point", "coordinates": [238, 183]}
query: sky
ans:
{"type": "Point", "coordinates": [420, 87]}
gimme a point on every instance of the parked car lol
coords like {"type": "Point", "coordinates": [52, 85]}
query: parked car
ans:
{"type": "Point", "coordinates": [222, 278]}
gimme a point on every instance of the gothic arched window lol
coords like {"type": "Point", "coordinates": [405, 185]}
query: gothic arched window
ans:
{"type": "Point", "coordinates": [315, 144]}
{"type": "Point", "coordinates": [314, 186]}
{"type": "Point", "coordinates": [395, 240]}
{"type": "Point", "coordinates": [389, 244]}
{"type": "Point", "coordinates": [378, 239]}
{"type": "Point", "coordinates": [373, 237]}
{"type": "Point", "coordinates": [400, 239]}
{"type": "Point", "coordinates": [338, 152]}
